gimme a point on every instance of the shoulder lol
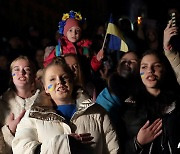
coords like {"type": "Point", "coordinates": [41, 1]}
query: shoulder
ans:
{"type": "Point", "coordinates": [8, 94]}
{"type": "Point", "coordinates": [96, 109]}
{"type": "Point", "coordinates": [7, 98]}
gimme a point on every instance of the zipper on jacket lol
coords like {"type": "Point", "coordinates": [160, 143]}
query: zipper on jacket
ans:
{"type": "Point", "coordinates": [24, 104]}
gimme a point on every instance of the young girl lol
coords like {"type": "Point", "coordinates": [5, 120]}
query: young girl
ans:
{"type": "Point", "coordinates": [18, 98]}
{"type": "Point", "coordinates": [149, 120]}
{"type": "Point", "coordinates": [160, 100]}
{"type": "Point", "coordinates": [71, 41]}
{"type": "Point", "coordinates": [64, 120]}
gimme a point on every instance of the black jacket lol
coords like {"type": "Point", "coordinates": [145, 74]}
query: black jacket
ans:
{"type": "Point", "coordinates": [134, 114]}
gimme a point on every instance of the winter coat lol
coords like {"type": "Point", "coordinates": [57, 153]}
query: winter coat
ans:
{"type": "Point", "coordinates": [134, 115]}
{"type": "Point", "coordinates": [12, 103]}
{"type": "Point", "coordinates": [42, 128]}
{"type": "Point", "coordinates": [81, 49]}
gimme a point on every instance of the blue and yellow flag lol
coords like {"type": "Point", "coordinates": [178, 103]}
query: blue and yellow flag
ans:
{"type": "Point", "coordinates": [116, 40]}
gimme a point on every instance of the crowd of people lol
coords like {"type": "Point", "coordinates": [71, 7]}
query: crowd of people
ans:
{"type": "Point", "coordinates": [77, 96]}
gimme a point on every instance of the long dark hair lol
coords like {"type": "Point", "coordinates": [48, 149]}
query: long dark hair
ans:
{"type": "Point", "coordinates": [169, 80]}
{"type": "Point", "coordinates": [169, 88]}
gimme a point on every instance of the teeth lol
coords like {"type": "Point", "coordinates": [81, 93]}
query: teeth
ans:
{"type": "Point", "coordinates": [62, 90]}
{"type": "Point", "coordinates": [151, 78]}
{"type": "Point", "coordinates": [22, 78]}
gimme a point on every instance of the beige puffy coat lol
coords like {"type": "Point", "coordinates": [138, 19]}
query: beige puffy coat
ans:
{"type": "Point", "coordinates": [12, 103]}
{"type": "Point", "coordinates": [174, 59]}
{"type": "Point", "coordinates": [43, 127]}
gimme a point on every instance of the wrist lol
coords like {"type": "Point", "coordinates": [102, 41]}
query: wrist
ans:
{"type": "Point", "coordinates": [167, 48]}
{"type": "Point", "coordinates": [137, 142]}
{"type": "Point", "coordinates": [137, 145]}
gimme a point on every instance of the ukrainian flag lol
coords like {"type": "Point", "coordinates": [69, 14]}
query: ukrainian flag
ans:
{"type": "Point", "coordinates": [116, 40]}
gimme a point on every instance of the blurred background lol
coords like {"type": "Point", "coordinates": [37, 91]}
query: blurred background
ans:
{"type": "Point", "coordinates": [23, 16]}
{"type": "Point", "coordinates": [29, 26]}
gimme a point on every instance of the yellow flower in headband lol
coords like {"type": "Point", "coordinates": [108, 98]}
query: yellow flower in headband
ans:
{"type": "Point", "coordinates": [78, 16]}
{"type": "Point", "coordinates": [65, 16]}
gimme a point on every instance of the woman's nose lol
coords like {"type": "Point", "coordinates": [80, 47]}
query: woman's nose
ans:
{"type": "Point", "coordinates": [60, 81]}
{"type": "Point", "coordinates": [127, 63]}
{"type": "Point", "coordinates": [150, 70]}
{"type": "Point", "coordinates": [23, 71]}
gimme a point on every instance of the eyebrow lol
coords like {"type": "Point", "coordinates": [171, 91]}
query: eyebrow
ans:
{"type": "Point", "coordinates": [144, 64]}
{"type": "Point", "coordinates": [19, 66]}
{"type": "Point", "coordinates": [152, 63]}
{"type": "Point", "coordinates": [128, 59]}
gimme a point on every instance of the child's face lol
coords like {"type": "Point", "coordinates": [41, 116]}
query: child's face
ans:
{"type": "Point", "coordinates": [57, 84]}
{"type": "Point", "coordinates": [21, 73]}
{"type": "Point", "coordinates": [74, 34]}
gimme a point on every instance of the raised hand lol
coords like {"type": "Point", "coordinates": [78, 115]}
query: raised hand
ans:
{"type": "Point", "coordinates": [168, 33]}
{"type": "Point", "coordinates": [149, 132]}
{"type": "Point", "coordinates": [100, 55]}
{"type": "Point", "coordinates": [12, 123]}
{"type": "Point", "coordinates": [48, 51]}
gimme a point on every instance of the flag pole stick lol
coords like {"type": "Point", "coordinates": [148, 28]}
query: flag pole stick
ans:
{"type": "Point", "coordinates": [104, 41]}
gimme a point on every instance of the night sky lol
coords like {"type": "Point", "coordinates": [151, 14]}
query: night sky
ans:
{"type": "Point", "coordinates": [17, 15]}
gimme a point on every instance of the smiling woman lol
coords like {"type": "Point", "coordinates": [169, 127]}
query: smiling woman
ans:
{"type": "Point", "coordinates": [23, 73]}
{"type": "Point", "coordinates": [18, 98]}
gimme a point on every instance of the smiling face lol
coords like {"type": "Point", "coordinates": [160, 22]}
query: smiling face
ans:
{"type": "Point", "coordinates": [74, 34]}
{"type": "Point", "coordinates": [151, 71]}
{"type": "Point", "coordinates": [58, 84]}
{"type": "Point", "coordinates": [21, 73]}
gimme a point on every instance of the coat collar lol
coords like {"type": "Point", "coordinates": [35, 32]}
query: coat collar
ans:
{"type": "Point", "coordinates": [44, 107]}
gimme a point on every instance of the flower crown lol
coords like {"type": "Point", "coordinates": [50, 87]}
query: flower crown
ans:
{"type": "Point", "coordinates": [71, 14]}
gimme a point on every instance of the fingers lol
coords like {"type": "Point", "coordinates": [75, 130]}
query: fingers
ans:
{"type": "Point", "coordinates": [155, 124]}
{"type": "Point", "coordinates": [169, 24]}
{"type": "Point", "coordinates": [85, 134]}
{"type": "Point", "coordinates": [155, 128]}
{"type": "Point", "coordinates": [169, 29]}
{"type": "Point", "coordinates": [11, 116]}
{"type": "Point", "coordinates": [100, 55]}
{"type": "Point", "coordinates": [86, 138]}
{"type": "Point", "coordinates": [158, 133]}
{"type": "Point", "coordinates": [145, 125]}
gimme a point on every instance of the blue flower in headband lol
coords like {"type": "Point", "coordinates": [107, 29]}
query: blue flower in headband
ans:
{"type": "Point", "coordinates": [61, 26]}
{"type": "Point", "coordinates": [71, 14]}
